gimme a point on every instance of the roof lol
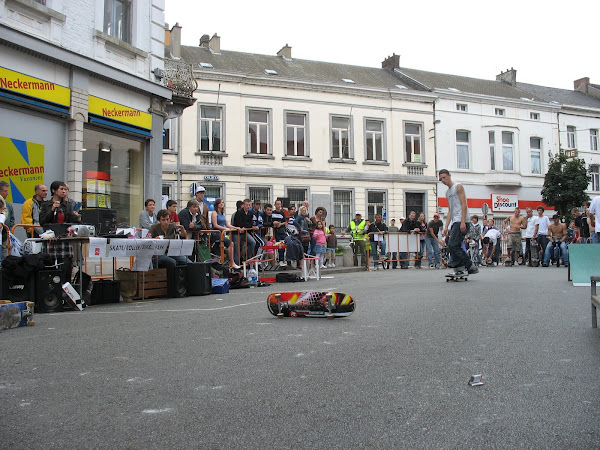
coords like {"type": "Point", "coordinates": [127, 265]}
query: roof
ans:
{"type": "Point", "coordinates": [251, 64]}
{"type": "Point", "coordinates": [562, 96]}
{"type": "Point", "coordinates": [433, 80]}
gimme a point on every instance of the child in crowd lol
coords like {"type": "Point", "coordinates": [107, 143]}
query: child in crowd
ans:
{"type": "Point", "coordinates": [331, 247]}
{"type": "Point", "coordinates": [321, 242]}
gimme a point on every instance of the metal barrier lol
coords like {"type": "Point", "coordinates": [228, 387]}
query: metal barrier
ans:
{"type": "Point", "coordinates": [29, 228]}
{"type": "Point", "coordinates": [397, 238]}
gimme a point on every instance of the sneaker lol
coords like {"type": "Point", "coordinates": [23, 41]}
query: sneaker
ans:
{"type": "Point", "coordinates": [283, 263]}
{"type": "Point", "coordinates": [495, 264]}
{"type": "Point", "coordinates": [460, 273]}
{"type": "Point", "coordinates": [473, 269]}
{"type": "Point", "coordinates": [460, 269]}
{"type": "Point", "coordinates": [544, 265]}
{"type": "Point", "coordinates": [235, 266]}
{"type": "Point", "coordinates": [431, 266]}
{"type": "Point", "coordinates": [323, 266]}
{"type": "Point", "coordinates": [384, 257]}
{"type": "Point", "coordinates": [403, 267]}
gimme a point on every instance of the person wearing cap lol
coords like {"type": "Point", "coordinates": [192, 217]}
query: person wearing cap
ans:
{"type": "Point", "coordinates": [558, 233]}
{"type": "Point", "coordinates": [433, 242]}
{"type": "Point", "coordinates": [357, 229]}
{"type": "Point", "coordinates": [202, 208]}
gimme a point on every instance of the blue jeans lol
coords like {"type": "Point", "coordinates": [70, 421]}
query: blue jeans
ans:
{"type": "Point", "coordinates": [433, 250]}
{"type": "Point", "coordinates": [550, 252]}
{"type": "Point", "coordinates": [240, 240]}
{"type": "Point", "coordinates": [496, 256]}
{"type": "Point", "coordinates": [595, 238]}
{"type": "Point", "coordinates": [172, 261]}
{"type": "Point", "coordinates": [458, 255]}
{"type": "Point", "coordinates": [374, 253]}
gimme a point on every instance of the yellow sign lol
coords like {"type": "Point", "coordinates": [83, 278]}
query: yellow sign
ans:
{"type": "Point", "coordinates": [114, 111]}
{"type": "Point", "coordinates": [34, 87]}
{"type": "Point", "coordinates": [22, 166]}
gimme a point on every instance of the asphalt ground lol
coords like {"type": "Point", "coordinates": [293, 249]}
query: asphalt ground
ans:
{"type": "Point", "coordinates": [220, 371]}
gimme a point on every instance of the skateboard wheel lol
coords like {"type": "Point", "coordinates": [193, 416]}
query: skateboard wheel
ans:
{"type": "Point", "coordinates": [293, 314]}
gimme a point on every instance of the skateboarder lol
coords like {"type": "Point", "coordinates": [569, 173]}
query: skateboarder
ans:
{"type": "Point", "coordinates": [457, 224]}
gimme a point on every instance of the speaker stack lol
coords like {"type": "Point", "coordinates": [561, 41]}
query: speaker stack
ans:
{"type": "Point", "coordinates": [43, 287]}
{"type": "Point", "coordinates": [176, 282]}
{"type": "Point", "coordinates": [199, 278]}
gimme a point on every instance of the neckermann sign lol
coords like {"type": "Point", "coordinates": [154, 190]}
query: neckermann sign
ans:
{"type": "Point", "coordinates": [504, 202]}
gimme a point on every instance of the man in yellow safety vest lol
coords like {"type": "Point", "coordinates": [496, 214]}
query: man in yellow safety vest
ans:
{"type": "Point", "coordinates": [358, 230]}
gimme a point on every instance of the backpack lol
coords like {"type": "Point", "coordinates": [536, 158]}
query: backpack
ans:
{"type": "Point", "coordinates": [287, 278]}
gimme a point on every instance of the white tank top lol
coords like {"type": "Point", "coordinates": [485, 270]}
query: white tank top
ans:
{"type": "Point", "coordinates": [454, 204]}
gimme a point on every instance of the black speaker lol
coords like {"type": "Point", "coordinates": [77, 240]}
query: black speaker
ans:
{"type": "Point", "coordinates": [105, 220]}
{"type": "Point", "coordinates": [18, 288]}
{"type": "Point", "coordinates": [199, 278]}
{"type": "Point", "coordinates": [49, 293]}
{"type": "Point", "coordinates": [176, 282]}
{"type": "Point", "coordinates": [285, 202]}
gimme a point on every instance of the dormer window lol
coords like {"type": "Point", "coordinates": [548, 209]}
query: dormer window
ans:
{"type": "Point", "coordinates": [271, 72]}
{"type": "Point", "coordinates": [348, 80]}
{"type": "Point", "coordinates": [206, 65]}
{"type": "Point", "coordinates": [399, 86]}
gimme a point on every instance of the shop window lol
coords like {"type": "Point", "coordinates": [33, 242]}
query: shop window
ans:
{"type": "Point", "coordinates": [117, 19]}
{"type": "Point", "coordinates": [113, 174]}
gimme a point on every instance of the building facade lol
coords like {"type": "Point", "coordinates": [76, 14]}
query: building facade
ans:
{"type": "Point", "coordinates": [82, 100]}
{"type": "Point", "coordinates": [343, 137]}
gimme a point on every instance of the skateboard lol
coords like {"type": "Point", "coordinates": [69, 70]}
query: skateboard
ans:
{"type": "Point", "coordinates": [311, 304]}
{"type": "Point", "coordinates": [454, 277]}
{"type": "Point", "coordinates": [13, 315]}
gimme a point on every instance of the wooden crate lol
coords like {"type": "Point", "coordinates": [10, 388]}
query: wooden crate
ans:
{"type": "Point", "coordinates": [153, 282]}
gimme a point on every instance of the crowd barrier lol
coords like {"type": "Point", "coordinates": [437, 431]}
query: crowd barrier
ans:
{"type": "Point", "coordinates": [396, 243]}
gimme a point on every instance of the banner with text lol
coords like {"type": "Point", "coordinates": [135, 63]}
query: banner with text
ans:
{"type": "Point", "coordinates": [22, 166]}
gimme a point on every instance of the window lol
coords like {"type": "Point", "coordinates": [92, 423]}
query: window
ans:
{"type": "Point", "coordinates": [271, 72]}
{"type": "Point", "coordinates": [462, 149]}
{"type": "Point", "coordinates": [499, 112]}
{"type": "Point", "coordinates": [594, 140]}
{"type": "Point", "coordinates": [295, 126]}
{"type": "Point", "coordinates": [507, 150]}
{"type": "Point", "coordinates": [211, 128]}
{"type": "Point", "coordinates": [297, 196]}
{"type": "Point", "coordinates": [212, 192]}
{"type": "Point", "coordinates": [415, 202]}
{"type": "Point", "coordinates": [535, 150]}
{"type": "Point", "coordinates": [167, 144]}
{"type": "Point", "coordinates": [113, 168]}
{"type": "Point", "coordinates": [534, 116]}
{"type": "Point", "coordinates": [595, 181]}
{"type": "Point", "coordinates": [375, 204]}
{"type": "Point", "coordinates": [41, 2]}
{"type": "Point", "coordinates": [570, 137]}
{"type": "Point", "coordinates": [262, 193]}
{"type": "Point", "coordinates": [374, 140]}
{"type": "Point", "coordinates": [412, 143]}
{"type": "Point", "coordinates": [340, 137]}
{"type": "Point", "coordinates": [342, 208]}
{"type": "Point", "coordinates": [461, 107]}
{"type": "Point", "coordinates": [492, 141]}
{"type": "Point", "coordinates": [117, 19]}
{"type": "Point", "coordinates": [258, 132]}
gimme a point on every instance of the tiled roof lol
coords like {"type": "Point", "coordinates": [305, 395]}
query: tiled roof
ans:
{"type": "Point", "coordinates": [562, 96]}
{"type": "Point", "coordinates": [479, 86]}
{"type": "Point", "coordinates": [296, 69]}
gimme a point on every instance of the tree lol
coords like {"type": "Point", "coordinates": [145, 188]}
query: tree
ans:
{"type": "Point", "coordinates": [565, 183]}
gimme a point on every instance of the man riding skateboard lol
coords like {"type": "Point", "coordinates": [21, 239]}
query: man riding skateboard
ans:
{"type": "Point", "coordinates": [457, 222]}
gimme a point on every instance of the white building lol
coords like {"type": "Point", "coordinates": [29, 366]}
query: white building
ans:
{"type": "Point", "coordinates": [271, 126]}
{"type": "Point", "coordinates": [578, 122]}
{"type": "Point", "coordinates": [493, 138]}
{"type": "Point", "coordinates": [80, 101]}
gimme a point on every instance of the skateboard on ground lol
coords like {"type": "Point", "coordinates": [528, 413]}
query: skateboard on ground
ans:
{"type": "Point", "coordinates": [310, 304]}
{"type": "Point", "coordinates": [454, 277]}
{"type": "Point", "coordinates": [13, 315]}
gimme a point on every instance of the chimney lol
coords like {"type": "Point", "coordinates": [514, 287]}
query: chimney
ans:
{"type": "Point", "coordinates": [204, 40]}
{"type": "Point", "coordinates": [285, 52]}
{"type": "Point", "coordinates": [391, 62]}
{"type": "Point", "coordinates": [215, 44]}
{"type": "Point", "coordinates": [582, 85]}
{"type": "Point", "coordinates": [176, 40]}
{"type": "Point", "coordinates": [508, 77]}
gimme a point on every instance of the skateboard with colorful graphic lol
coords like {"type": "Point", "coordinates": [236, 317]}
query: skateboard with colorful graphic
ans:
{"type": "Point", "coordinates": [311, 304]}
{"type": "Point", "coordinates": [13, 315]}
{"type": "Point", "coordinates": [454, 277]}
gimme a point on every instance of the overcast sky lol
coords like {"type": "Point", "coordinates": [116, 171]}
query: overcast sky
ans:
{"type": "Point", "coordinates": [550, 43]}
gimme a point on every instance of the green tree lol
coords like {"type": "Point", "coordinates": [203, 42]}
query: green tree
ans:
{"type": "Point", "coordinates": [565, 183]}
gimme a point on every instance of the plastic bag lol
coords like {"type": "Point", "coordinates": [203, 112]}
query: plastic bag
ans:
{"type": "Point", "coordinates": [15, 245]}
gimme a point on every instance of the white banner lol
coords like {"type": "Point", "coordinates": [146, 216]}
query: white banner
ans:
{"type": "Point", "coordinates": [402, 242]}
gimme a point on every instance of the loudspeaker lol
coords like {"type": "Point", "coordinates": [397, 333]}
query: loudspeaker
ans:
{"type": "Point", "coordinates": [18, 288]}
{"type": "Point", "coordinates": [199, 278]}
{"type": "Point", "coordinates": [105, 291]}
{"type": "Point", "coordinates": [49, 293]}
{"type": "Point", "coordinates": [176, 282]}
{"type": "Point", "coordinates": [285, 202]}
{"type": "Point", "coordinates": [105, 220]}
